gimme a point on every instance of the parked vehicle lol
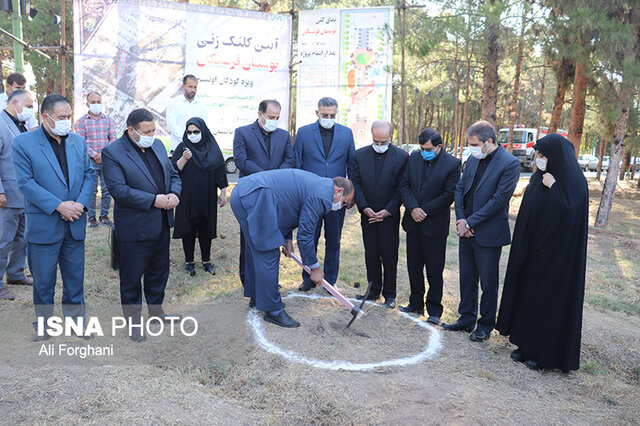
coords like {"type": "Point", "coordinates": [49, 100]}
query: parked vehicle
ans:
{"type": "Point", "coordinates": [523, 140]}
{"type": "Point", "coordinates": [588, 162]}
{"type": "Point", "coordinates": [466, 152]}
{"type": "Point", "coordinates": [412, 147]}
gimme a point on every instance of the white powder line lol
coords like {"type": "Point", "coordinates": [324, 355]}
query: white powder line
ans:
{"type": "Point", "coordinates": [255, 322]}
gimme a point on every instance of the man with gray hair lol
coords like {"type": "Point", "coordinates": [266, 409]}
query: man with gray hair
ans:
{"type": "Point", "coordinates": [328, 150]}
{"type": "Point", "coordinates": [377, 175]}
{"type": "Point", "coordinates": [13, 246]}
{"type": "Point", "coordinates": [482, 212]}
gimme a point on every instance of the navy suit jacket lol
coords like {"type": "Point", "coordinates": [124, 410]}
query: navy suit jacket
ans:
{"type": "Point", "coordinates": [490, 218]}
{"type": "Point", "coordinates": [132, 187]}
{"type": "Point", "coordinates": [44, 186]}
{"type": "Point", "coordinates": [250, 151]}
{"type": "Point", "coordinates": [278, 201]}
{"type": "Point", "coordinates": [436, 199]}
{"type": "Point", "coordinates": [310, 151]}
{"type": "Point", "coordinates": [383, 193]}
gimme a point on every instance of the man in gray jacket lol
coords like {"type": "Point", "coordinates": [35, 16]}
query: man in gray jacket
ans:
{"type": "Point", "coordinates": [13, 246]}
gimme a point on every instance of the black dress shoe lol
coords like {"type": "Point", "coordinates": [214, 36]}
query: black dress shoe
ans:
{"type": "Point", "coordinates": [306, 286]}
{"type": "Point", "coordinates": [456, 326]}
{"type": "Point", "coordinates": [433, 319]}
{"type": "Point", "coordinates": [207, 266]}
{"type": "Point", "coordinates": [170, 317]}
{"type": "Point", "coordinates": [409, 310]}
{"type": "Point", "coordinates": [532, 364]}
{"type": "Point", "coordinates": [282, 319]}
{"type": "Point", "coordinates": [390, 302]}
{"type": "Point", "coordinates": [369, 297]}
{"type": "Point", "coordinates": [137, 336]}
{"type": "Point", "coordinates": [518, 356]}
{"type": "Point", "coordinates": [479, 336]}
{"type": "Point", "coordinates": [191, 269]}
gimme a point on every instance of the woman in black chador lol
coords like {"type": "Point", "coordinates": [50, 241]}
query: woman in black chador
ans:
{"type": "Point", "coordinates": [541, 307]}
{"type": "Point", "coordinates": [201, 166]}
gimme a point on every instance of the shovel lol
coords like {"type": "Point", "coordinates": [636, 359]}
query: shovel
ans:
{"type": "Point", "coordinates": [355, 310]}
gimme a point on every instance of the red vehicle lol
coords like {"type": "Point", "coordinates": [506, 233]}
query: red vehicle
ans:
{"type": "Point", "coordinates": [523, 140]}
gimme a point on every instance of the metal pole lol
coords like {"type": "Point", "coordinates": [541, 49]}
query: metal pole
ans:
{"type": "Point", "coordinates": [16, 21]}
{"type": "Point", "coordinates": [403, 88]}
{"type": "Point", "coordinates": [62, 51]}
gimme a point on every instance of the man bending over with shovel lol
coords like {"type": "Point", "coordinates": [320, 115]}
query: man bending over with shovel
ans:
{"type": "Point", "coordinates": [268, 206]}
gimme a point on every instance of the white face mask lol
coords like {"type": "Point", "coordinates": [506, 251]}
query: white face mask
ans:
{"type": "Point", "coordinates": [145, 141]}
{"type": "Point", "coordinates": [195, 137]}
{"type": "Point", "coordinates": [476, 151]}
{"type": "Point", "coordinates": [380, 149]}
{"type": "Point", "coordinates": [269, 125]}
{"type": "Point", "coordinates": [62, 127]}
{"type": "Point", "coordinates": [327, 123]}
{"type": "Point", "coordinates": [541, 164]}
{"type": "Point", "coordinates": [96, 109]}
{"type": "Point", "coordinates": [26, 114]}
{"type": "Point", "coordinates": [338, 205]}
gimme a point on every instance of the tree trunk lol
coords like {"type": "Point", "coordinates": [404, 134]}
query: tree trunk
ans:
{"type": "Point", "coordinates": [492, 60]}
{"type": "Point", "coordinates": [633, 168]}
{"type": "Point", "coordinates": [466, 100]}
{"type": "Point", "coordinates": [626, 158]}
{"type": "Point", "coordinates": [558, 102]}
{"type": "Point", "coordinates": [513, 107]}
{"type": "Point", "coordinates": [541, 108]}
{"type": "Point", "coordinates": [578, 106]}
{"type": "Point", "coordinates": [456, 130]}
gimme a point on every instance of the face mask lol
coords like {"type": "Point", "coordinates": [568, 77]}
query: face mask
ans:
{"type": "Point", "coordinates": [62, 127]}
{"type": "Point", "coordinates": [270, 125]}
{"type": "Point", "coordinates": [428, 155]}
{"type": "Point", "coordinates": [96, 109]}
{"type": "Point", "coordinates": [476, 151]}
{"type": "Point", "coordinates": [26, 114]}
{"type": "Point", "coordinates": [327, 123]}
{"type": "Point", "coordinates": [195, 137]}
{"type": "Point", "coordinates": [541, 164]}
{"type": "Point", "coordinates": [380, 149]}
{"type": "Point", "coordinates": [145, 141]}
{"type": "Point", "coordinates": [338, 205]}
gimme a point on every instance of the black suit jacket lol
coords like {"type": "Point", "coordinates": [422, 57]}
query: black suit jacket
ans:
{"type": "Point", "coordinates": [437, 198]}
{"type": "Point", "coordinates": [134, 190]}
{"type": "Point", "coordinates": [383, 193]}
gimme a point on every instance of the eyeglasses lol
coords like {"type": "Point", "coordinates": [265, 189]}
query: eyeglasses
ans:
{"type": "Point", "coordinates": [193, 132]}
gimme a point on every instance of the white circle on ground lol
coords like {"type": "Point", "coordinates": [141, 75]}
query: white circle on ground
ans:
{"type": "Point", "coordinates": [255, 322]}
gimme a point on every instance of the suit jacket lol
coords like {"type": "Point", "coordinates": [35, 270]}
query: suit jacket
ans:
{"type": "Point", "coordinates": [382, 193]}
{"type": "Point", "coordinates": [8, 183]}
{"type": "Point", "coordinates": [44, 186]}
{"type": "Point", "coordinates": [490, 220]}
{"type": "Point", "coordinates": [310, 154]}
{"type": "Point", "coordinates": [250, 151]}
{"type": "Point", "coordinates": [278, 201]}
{"type": "Point", "coordinates": [436, 199]}
{"type": "Point", "coordinates": [134, 190]}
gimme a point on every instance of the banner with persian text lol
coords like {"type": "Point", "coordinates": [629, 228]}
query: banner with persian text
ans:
{"type": "Point", "coordinates": [136, 52]}
{"type": "Point", "coordinates": [346, 54]}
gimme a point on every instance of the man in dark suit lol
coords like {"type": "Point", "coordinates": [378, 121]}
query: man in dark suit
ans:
{"type": "Point", "coordinates": [376, 178]}
{"type": "Point", "coordinates": [326, 149]}
{"type": "Point", "coordinates": [56, 179]}
{"type": "Point", "coordinates": [269, 206]}
{"type": "Point", "coordinates": [13, 246]}
{"type": "Point", "coordinates": [145, 187]}
{"type": "Point", "coordinates": [427, 191]}
{"type": "Point", "coordinates": [261, 146]}
{"type": "Point", "coordinates": [482, 209]}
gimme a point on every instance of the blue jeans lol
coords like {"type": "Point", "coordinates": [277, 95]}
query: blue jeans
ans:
{"type": "Point", "coordinates": [105, 201]}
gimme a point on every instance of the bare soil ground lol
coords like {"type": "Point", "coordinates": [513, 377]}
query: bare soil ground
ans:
{"type": "Point", "coordinates": [222, 376]}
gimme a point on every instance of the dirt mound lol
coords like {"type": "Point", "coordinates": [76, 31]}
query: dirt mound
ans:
{"type": "Point", "coordinates": [382, 334]}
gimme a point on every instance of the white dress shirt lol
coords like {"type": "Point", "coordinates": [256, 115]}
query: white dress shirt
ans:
{"type": "Point", "coordinates": [33, 121]}
{"type": "Point", "coordinates": [179, 111]}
